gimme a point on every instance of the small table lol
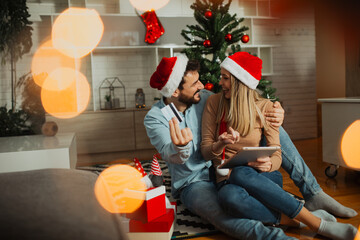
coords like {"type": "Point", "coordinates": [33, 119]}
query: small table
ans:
{"type": "Point", "coordinates": [23, 153]}
{"type": "Point", "coordinates": [337, 115]}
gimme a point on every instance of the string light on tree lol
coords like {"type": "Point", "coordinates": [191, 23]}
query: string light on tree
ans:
{"type": "Point", "coordinates": [245, 38]}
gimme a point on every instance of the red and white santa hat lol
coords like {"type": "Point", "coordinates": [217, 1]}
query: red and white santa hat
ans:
{"type": "Point", "coordinates": [155, 167]}
{"type": "Point", "coordinates": [168, 74]}
{"type": "Point", "coordinates": [139, 167]}
{"type": "Point", "coordinates": [245, 67]}
{"type": "Point", "coordinates": [145, 179]}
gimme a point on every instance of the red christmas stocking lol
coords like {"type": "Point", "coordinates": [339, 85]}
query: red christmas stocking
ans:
{"type": "Point", "coordinates": [154, 29]}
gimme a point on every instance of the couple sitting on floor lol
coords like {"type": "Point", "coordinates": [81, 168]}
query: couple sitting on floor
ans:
{"type": "Point", "coordinates": [214, 127]}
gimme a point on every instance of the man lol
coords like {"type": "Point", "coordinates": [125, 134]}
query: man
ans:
{"type": "Point", "coordinates": [177, 78]}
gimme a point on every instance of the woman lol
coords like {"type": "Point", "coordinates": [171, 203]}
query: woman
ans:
{"type": "Point", "coordinates": [234, 119]}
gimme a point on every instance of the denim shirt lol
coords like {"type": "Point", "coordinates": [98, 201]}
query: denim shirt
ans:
{"type": "Point", "coordinates": [186, 164]}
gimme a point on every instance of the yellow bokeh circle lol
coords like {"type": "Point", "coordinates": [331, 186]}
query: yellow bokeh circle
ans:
{"type": "Point", "coordinates": [350, 145]}
{"type": "Point", "coordinates": [47, 59]}
{"type": "Point", "coordinates": [119, 189]}
{"type": "Point", "coordinates": [77, 31]}
{"type": "Point", "coordinates": [68, 102]}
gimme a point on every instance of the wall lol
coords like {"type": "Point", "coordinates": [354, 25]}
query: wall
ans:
{"type": "Point", "coordinates": [294, 65]}
{"type": "Point", "coordinates": [330, 52]}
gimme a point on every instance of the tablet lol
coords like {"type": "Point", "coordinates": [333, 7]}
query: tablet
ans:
{"type": "Point", "coordinates": [248, 154]}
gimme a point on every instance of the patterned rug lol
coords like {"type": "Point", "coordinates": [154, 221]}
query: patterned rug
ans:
{"type": "Point", "coordinates": [188, 225]}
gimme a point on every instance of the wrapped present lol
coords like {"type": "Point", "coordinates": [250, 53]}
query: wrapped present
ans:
{"type": "Point", "coordinates": [154, 206]}
{"type": "Point", "coordinates": [160, 224]}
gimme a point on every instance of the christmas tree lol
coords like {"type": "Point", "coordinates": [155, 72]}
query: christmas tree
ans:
{"type": "Point", "coordinates": [211, 39]}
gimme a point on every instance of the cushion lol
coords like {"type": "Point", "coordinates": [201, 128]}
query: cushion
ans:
{"type": "Point", "coordinates": [54, 204]}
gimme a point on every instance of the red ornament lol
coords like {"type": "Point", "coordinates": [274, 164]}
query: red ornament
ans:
{"type": "Point", "coordinates": [245, 38]}
{"type": "Point", "coordinates": [154, 29]}
{"type": "Point", "coordinates": [208, 14]}
{"type": "Point", "coordinates": [207, 43]}
{"type": "Point", "coordinates": [228, 37]}
{"type": "Point", "coordinates": [209, 86]}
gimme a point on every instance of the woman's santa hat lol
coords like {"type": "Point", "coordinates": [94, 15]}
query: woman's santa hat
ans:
{"type": "Point", "coordinates": [168, 74]}
{"type": "Point", "coordinates": [245, 67]}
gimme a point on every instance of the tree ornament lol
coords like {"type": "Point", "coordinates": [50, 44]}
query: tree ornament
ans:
{"type": "Point", "coordinates": [245, 38]}
{"type": "Point", "coordinates": [154, 29]}
{"type": "Point", "coordinates": [207, 43]}
{"type": "Point", "coordinates": [209, 86]}
{"type": "Point", "coordinates": [208, 14]}
{"type": "Point", "coordinates": [228, 37]}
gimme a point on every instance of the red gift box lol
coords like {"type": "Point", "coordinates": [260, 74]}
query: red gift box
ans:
{"type": "Point", "coordinates": [153, 206]}
{"type": "Point", "coordinates": [151, 235]}
{"type": "Point", "coordinates": [160, 224]}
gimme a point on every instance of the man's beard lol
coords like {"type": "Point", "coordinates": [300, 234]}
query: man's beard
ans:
{"type": "Point", "coordinates": [189, 100]}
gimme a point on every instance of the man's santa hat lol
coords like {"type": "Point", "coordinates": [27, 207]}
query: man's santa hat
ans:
{"type": "Point", "coordinates": [245, 67]}
{"type": "Point", "coordinates": [168, 74]}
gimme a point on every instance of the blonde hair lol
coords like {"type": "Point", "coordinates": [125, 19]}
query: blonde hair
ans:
{"type": "Point", "coordinates": [240, 111]}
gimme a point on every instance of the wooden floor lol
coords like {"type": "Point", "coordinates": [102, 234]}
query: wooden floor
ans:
{"type": "Point", "coordinates": [345, 188]}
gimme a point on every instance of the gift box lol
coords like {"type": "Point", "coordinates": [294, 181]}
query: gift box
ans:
{"type": "Point", "coordinates": [151, 235]}
{"type": "Point", "coordinates": [160, 224]}
{"type": "Point", "coordinates": [154, 206]}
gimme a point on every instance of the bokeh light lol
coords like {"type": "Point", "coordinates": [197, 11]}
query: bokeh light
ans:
{"type": "Point", "coordinates": [119, 189]}
{"type": "Point", "coordinates": [77, 31]}
{"type": "Point", "coordinates": [357, 237]}
{"type": "Point", "coordinates": [47, 59]}
{"type": "Point", "coordinates": [69, 102]}
{"type": "Point", "coordinates": [60, 79]}
{"type": "Point", "coordinates": [146, 5]}
{"type": "Point", "coordinates": [350, 145]}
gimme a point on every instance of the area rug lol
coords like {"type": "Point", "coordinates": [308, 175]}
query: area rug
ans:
{"type": "Point", "coordinates": [188, 225]}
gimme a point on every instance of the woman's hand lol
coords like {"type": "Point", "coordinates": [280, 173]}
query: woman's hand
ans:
{"type": "Point", "coordinates": [261, 164]}
{"type": "Point", "coordinates": [276, 116]}
{"type": "Point", "coordinates": [229, 137]}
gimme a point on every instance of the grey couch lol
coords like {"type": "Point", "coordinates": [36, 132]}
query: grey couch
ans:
{"type": "Point", "coordinates": [54, 204]}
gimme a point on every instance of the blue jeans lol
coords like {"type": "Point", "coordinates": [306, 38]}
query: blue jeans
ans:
{"type": "Point", "coordinates": [294, 165]}
{"type": "Point", "coordinates": [202, 199]}
{"type": "Point", "coordinates": [257, 196]}
{"type": "Point", "coordinates": [237, 201]}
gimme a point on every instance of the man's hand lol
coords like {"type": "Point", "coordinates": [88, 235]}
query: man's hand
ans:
{"type": "Point", "coordinates": [179, 137]}
{"type": "Point", "coordinates": [261, 164]}
{"type": "Point", "coordinates": [276, 116]}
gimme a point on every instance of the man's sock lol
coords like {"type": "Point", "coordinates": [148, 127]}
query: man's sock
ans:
{"type": "Point", "coordinates": [335, 230]}
{"type": "Point", "coordinates": [323, 215]}
{"type": "Point", "coordinates": [326, 202]}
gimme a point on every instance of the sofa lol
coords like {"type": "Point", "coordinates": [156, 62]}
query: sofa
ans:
{"type": "Point", "coordinates": [54, 204]}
